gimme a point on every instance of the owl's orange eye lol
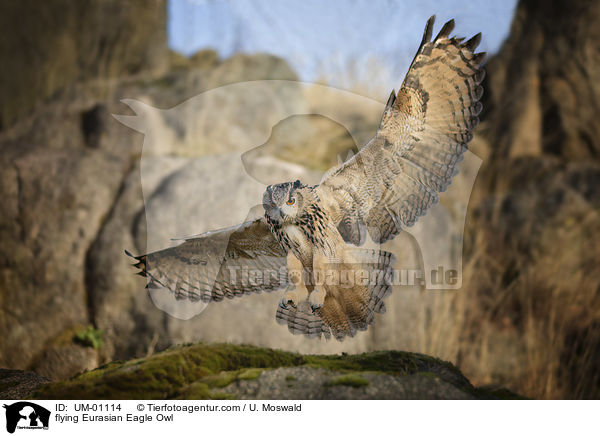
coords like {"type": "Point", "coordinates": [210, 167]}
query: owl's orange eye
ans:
{"type": "Point", "coordinates": [290, 201]}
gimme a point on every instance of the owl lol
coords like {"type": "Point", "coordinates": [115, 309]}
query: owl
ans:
{"type": "Point", "coordinates": [309, 240]}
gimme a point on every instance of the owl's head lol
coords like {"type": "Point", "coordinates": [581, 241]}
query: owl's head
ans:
{"type": "Point", "coordinates": [283, 202]}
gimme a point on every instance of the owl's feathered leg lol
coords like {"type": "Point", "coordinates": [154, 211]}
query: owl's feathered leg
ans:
{"type": "Point", "coordinates": [321, 270]}
{"type": "Point", "coordinates": [317, 299]}
{"type": "Point", "coordinates": [297, 291]}
{"type": "Point", "coordinates": [348, 302]}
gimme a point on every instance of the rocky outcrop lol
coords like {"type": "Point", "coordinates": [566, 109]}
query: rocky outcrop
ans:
{"type": "Point", "coordinates": [15, 383]}
{"type": "Point", "coordinates": [71, 180]}
{"type": "Point", "coordinates": [542, 94]}
{"type": "Point", "coordinates": [64, 159]}
{"type": "Point", "coordinates": [534, 212]}
{"type": "Point", "coordinates": [56, 201]}
{"type": "Point", "coordinates": [51, 45]}
{"type": "Point", "coordinates": [244, 372]}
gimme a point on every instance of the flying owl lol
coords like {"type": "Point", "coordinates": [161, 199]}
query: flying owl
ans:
{"type": "Point", "coordinates": [309, 237]}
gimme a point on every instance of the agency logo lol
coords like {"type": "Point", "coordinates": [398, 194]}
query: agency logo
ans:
{"type": "Point", "coordinates": [26, 415]}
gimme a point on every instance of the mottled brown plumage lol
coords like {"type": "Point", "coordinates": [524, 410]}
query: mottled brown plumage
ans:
{"type": "Point", "coordinates": [309, 232]}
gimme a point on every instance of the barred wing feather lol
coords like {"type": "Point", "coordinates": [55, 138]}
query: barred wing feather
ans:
{"type": "Point", "coordinates": [423, 135]}
{"type": "Point", "coordinates": [220, 264]}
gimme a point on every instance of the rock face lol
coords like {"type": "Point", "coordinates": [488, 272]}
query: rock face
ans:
{"type": "Point", "coordinates": [534, 212]}
{"type": "Point", "coordinates": [305, 383]}
{"type": "Point", "coordinates": [18, 384]}
{"type": "Point", "coordinates": [63, 160]}
{"type": "Point", "coordinates": [56, 43]}
{"type": "Point", "coordinates": [543, 95]}
{"type": "Point", "coordinates": [59, 199]}
{"type": "Point", "coordinates": [62, 361]}
{"type": "Point", "coordinates": [245, 372]}
{"type": "Point", "coordinates": [71, 179]}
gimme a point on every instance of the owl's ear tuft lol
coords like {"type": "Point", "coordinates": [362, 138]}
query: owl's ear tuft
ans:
{"type": "Point", "coordinates": [297, 184]}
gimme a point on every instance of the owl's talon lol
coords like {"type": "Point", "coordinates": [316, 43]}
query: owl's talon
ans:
{"type": "Point", "coordinates": [289, 299]}
{"type": "Point", "coordinates": [284, 303]}
{"type": "Point", "coordinates": [316, 299]}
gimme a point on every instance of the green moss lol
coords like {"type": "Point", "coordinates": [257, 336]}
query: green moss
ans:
{"type": "Point", "coordinates": [428, 374]}
{"type": "Point", "coordinates": [196, 370]}
{"type": "Point", "coordinates": [354, 380]}
{"type": "Point", "coordinates": [389, 362]}
{"type": "Point", "coordinates": [89, 337]}
{"type": "Point", "coordinates": [164, 374]}
{"type": "Point", "coordinates": [250, 374]}
{"type": "Point", "coordinates": [204, 388]}
{"type": "Point", "coordinates": [194, 391]}
{"type": "Point", "coordinates": [290, 378]}
{"type": "Point", "coordinates": [221, 379]}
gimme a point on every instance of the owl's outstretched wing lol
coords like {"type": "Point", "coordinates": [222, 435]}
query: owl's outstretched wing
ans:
{"type": "Point", "coordinates": [219, 264]}
{"type": "Point", "coordinates": [424, 132]}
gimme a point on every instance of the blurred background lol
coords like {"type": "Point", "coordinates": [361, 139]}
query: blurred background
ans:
{"type": "Point", "coordinates": [356, 45]}
{"type": "Point", "coordinates": [528, 314]}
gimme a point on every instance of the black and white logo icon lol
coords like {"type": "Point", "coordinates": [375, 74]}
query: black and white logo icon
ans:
{"type": "Point", "coordinates": [26, 415]}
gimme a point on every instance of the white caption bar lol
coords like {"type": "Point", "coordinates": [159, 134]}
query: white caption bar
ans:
{"type": "Point", "coordinates": [299, 417]}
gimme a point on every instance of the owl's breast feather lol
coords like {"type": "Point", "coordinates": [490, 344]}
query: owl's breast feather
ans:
{"type": "Point", "coordinates": [298, 240]}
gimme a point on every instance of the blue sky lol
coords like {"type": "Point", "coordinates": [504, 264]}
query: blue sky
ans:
{"type": "Point", "coordinates": [323, 40]}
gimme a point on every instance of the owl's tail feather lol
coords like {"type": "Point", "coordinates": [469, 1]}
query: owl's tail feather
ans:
{"type": "Point", "coordinates": [348, 316]}
{"type": "Point", "coordinates": [378, 264]}
{"type": "Point", "coordinates": [301, 320]}
{"type": "Point", "coordinates": [356, 310]}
